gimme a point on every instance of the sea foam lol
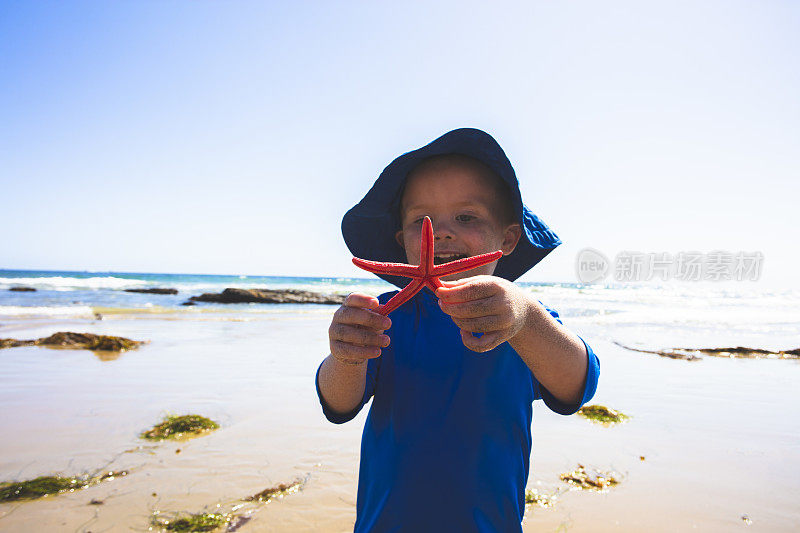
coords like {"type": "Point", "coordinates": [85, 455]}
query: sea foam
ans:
{"type": "Point", "coordinates": [60, 283]}
{"type": "Point", "coordinates": [78, 311]}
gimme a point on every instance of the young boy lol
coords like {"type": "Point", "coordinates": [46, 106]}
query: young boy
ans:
{"type": "Point", "coordinates": [447, 443]}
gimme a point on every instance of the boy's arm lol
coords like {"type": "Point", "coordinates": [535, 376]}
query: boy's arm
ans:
{"type": "Point", "coordinates": [555, 355]}
{"type": "Point", "coordinates": [502, 312]}
{"type": "Point", "coordinates": [341, 385]}
{"type": "Point", "coordinates": [356, 336]}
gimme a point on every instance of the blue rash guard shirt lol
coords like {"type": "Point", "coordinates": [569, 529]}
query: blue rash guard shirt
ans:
{"type": "Point", "coordinates": [447, 442]}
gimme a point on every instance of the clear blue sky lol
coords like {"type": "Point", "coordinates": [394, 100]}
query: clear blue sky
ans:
{"type": "Point", "coordinates": [231, 137]}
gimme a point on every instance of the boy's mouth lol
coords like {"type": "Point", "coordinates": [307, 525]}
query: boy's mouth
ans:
{"type": "Point", "coordinates": [440, 258]}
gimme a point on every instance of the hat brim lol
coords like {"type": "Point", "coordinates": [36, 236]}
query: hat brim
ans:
{"type": "Point", "coordinates": [369, 228]}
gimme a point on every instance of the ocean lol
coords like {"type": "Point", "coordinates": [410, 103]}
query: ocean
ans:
{"type": "Point", "coordinates": [735, 312]}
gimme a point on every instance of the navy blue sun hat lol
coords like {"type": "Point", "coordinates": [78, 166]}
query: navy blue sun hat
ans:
{"type": "Point", "coordinates": [369, 228]}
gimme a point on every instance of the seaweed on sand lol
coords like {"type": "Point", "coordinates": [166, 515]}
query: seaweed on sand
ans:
{"type": "Point", "coordinates": [279, 491]}
{"type": "Point", "coordinates": [37, 488]}
{"type": "Point", "coordinates": [602, 414]}
{"type": "Point", "coordinates": [46, 485]}
{"type": "Point", "coordinates": [686, 356]}
{"type": "Point", "coordinates": [231, 516]}
{"type": "Point", "coordinates": [738, 352]}
{"type": "Point", "coordinates": [192, 522]}
{"type": "Point", "coordinates": [89, 341]}
{"type": "Point", "coordinates": [13, 343]}
{"type": "Point", "coordinates": [78, 341]}
{"type": "Point", "coordinates": [180, 427]}
{"type": "Point", "coordinates": [590, 480]}
{"type": "Point", "coordinates": [534, 497]}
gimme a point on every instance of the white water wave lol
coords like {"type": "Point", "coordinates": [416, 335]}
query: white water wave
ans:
{"type": "Point", "coordinates": [60, 283]}
{"type": "Point", "coordinates": [78, 311]}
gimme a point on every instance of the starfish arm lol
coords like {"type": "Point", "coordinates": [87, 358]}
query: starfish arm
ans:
{"type": "Point", "coordinates": [465, 264]}
{"type": "Point", "coordinates": [401, 297]}
{"type": "Point", "coordinates": [433, 283]}
{"type": "Point", "coordinates": [426, 246]}
{"type": "Point", "coordinates": [394, 269]}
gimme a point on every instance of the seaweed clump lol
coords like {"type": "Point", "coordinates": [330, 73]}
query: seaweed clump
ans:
{"type": "Point", "coordinates": [45, 485]}
{"type": "Point", "coordinates": [534, 497]}
{"type": "Point", "coordinates": [177, 427]}
{"type": "Point", "coordinates": [37, 488]}
{"type": "Point", "coordinates": [590, 480]}
{"type": "Point", "coordinates": [89, 341]}
{"type": "Point", "coordinates": [78, 341]}
{"type": "Point", "coordinates": [602, 414]}
{"type": "Point", "coordinates": [13, 343]}
{"type": "Point", "coordinates": [737, 352]}
{"type": "Point", "coordinates": [231, 517]}
{"type": "Point", "coordinates": [193, 522]}
{"type": "Point", "coordinates": [278, 491]}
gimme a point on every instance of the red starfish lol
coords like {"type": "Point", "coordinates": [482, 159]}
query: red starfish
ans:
{"type": "Point", "coordinates": [426, 274]}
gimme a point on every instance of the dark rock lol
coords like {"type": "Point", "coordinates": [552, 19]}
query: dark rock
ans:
{"type": "Point", "coordinates": [154, 290]}
{"type": "Point", "coordinates": [188, 303]}
{"type": "Point", "coordinates": [22, 289]}
{"type": "Point", "coordinates": [268, 296]}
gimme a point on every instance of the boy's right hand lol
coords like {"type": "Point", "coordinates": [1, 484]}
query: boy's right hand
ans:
{"type": "Point", "coordinates": [356, 332]}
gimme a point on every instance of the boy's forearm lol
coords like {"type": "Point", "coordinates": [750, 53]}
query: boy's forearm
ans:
{"type": "Point", "coordinates": [555, 355]}
{"type": "Point", "coordinates": [342, 385]}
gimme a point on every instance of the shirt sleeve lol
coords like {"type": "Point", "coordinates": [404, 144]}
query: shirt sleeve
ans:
{"type": "Point", "coordinates": [590, 382]}
{"type": "Point", "coordinates": [373, 365]}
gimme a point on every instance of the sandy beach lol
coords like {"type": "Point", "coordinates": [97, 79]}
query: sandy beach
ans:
{"type": "Point", "coordinates": [712, 445]}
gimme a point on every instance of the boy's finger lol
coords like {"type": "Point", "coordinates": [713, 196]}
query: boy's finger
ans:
{"type": "Point", "coordinates": [484, 343]}
{"type": "Point", "coordinates": [357, 336]}
{"type": "Point", "coordinates": [357, 299]}
{"type": "Point", "coordinates": [362, 317]}
{"type": "Point", "coordinates": [472, 290]}
{"type": "Point", "coordinates": [484, 324]}
{"type": "Point", "coordinates": [455, 282]}
{"type": "Point", "coordinates": [347, 351]}
{"type": "Point", "coordinates": [472, 308]}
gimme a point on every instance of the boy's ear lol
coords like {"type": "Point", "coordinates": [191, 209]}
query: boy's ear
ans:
{"type": "Point", "coordinates": [511, 236]}
{"type": "Point", "coordinates": [399, 238]}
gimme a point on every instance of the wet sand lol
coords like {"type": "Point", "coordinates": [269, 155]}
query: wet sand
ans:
{"type": "Point", "coordinates": [720, 437]}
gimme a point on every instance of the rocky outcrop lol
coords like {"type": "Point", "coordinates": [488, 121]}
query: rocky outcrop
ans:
{"type": "Point", "coordinates": [78, 341]}
{"type": "Point", "coordinates": [22, 289]}
{"type": "Point", "coordinates": [269, 296]}
{"type": "Point", "coordinates": [154, 290]}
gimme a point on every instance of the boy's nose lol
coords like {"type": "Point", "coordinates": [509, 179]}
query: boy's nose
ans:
{"type": "Point", "coordinates": [442, 230]}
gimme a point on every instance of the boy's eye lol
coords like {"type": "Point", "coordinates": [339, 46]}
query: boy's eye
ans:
{"type": "Point", "coordinates": [464, 218]}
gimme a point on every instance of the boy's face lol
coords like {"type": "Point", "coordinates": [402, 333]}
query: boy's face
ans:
{"type": "Point", "coordinates": [466, 214]}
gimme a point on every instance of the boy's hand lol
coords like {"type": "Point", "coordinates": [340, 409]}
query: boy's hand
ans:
{"type": "Point", "coordinates": [356, 332]}
{"type": "Point", "coordinates": [485, 304]}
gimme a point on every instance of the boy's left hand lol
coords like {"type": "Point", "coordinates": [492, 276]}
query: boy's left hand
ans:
{"type": "Point", "coordinates": [485, 304]}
